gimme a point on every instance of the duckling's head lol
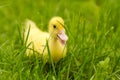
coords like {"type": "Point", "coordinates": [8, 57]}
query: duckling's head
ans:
{"type": "Point", "coordinates": [57, 30]}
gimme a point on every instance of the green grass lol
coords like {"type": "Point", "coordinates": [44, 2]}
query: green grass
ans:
{"type": "Point", "coordinates": [93, 27]}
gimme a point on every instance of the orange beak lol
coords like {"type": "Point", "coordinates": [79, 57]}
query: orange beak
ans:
{"type": "Point", "coordinates": [62, 37]}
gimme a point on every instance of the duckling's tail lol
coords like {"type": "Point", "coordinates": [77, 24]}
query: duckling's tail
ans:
{"type": "Point", "coordinates": [29, 29]}
{"type": "Point", "coordinates": [29, 33]}
{"type": "Point", "coordinates": [29, 24]}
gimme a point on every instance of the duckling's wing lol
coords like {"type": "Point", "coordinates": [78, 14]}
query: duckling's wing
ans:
{"type": "Point", "coordinates": [36, 38]}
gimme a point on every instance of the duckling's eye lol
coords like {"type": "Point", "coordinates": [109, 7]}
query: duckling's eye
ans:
{"type": "Point", "coordinates": [54, 26]}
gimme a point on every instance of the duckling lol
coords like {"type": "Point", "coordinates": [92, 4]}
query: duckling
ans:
{"type": "Point", "coordinates": [55, 36]}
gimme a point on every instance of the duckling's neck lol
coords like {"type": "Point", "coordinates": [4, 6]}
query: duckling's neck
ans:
{"type": "Point", "coordinates": [53, 41]}
{"type": "Point", "coordinates": [57, 50]}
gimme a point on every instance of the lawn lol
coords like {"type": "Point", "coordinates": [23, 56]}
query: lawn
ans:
{"type": "Point", "coordinates": [93, 48]}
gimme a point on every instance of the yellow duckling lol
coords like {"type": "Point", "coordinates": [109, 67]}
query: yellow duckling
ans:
{"type": "Point", "coordinates": [56, 37]}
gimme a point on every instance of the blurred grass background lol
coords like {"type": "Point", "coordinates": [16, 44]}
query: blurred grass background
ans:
{"type": "Point", "coordinates": [93, 27]}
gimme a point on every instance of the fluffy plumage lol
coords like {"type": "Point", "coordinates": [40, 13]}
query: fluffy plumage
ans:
{"type": "Point", "coordinates": [56, 37]}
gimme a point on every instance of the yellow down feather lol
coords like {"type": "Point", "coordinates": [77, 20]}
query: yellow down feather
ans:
{"type": "Point", "coordinates": [56, 39]}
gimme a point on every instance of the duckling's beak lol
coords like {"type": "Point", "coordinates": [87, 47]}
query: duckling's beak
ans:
{"type": "Point", "coordinates": [62, 37]}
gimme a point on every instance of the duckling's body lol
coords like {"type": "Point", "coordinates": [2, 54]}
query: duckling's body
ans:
{"type": "Point", "coordinates": [56, 38]}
